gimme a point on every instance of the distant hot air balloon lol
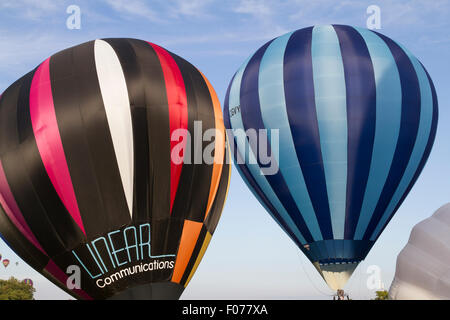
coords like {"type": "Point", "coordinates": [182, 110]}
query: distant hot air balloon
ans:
{"type": "Point", "coordinates": [28, 281]}
{"type": "Point", "coordinates": [423, 266]}
{"type": "Point", "coordinates": [356, 116]}
{"type": "Point", "coordinates": [95, 169]}
{"type": "Point", "coordinates": [5, 262]}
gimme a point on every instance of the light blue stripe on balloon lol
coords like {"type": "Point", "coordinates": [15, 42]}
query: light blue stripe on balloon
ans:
{"type": "Point", "coordinates": [423, 134]}
{"type": "Point", "coordinates": [274, 115]}
{"type": "Point", "coordinates": [387, 126]}
{"type": "Point", "coordinates": [331, 109]}
{"type": "Point", "coordinates": [250, 160]}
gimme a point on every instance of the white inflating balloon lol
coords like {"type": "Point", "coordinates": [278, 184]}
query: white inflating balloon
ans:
{"type": "Point", "coordinates": [423, 266]}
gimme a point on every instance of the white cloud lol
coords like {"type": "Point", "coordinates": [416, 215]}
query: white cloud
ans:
{"type": "Point", "coordinates": [254, 8]}
{"type": "Point", "coordinates": [24, 51]}
{"type": "Point", "coordinates": [195, 8]}
{"type": "Point", "coordinates": [135, 8]}
{"type": "Point", "coordinates": [415, 12]}
{"type": "Point", "coordinates": [266, 19]}
{"type": "Point", "coordinates": [30, 9]}
{"type": "Point", "coordinates": [37, 4]}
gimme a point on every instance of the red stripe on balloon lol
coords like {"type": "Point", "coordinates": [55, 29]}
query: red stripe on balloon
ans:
{"type": "Point", "coordinates": [178, 112]}
{"type": "Point", "coordinates": [48, 140]}
{"type": "Point", "coordinates": [12, 210]}
{"type": "Point", "coordinates": [59, 275]}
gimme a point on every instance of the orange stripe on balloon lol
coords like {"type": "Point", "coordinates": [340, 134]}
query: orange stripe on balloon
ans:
{"type": "Point", "coordinates": [189, 237]}
{"type": "Point", "coordinates": [199, 257]}
{"type": "Point", "coordinates": [219, 147]}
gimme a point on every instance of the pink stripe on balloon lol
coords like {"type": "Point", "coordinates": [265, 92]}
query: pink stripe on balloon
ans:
{"type": "Point", "coordinates": [59, 275]}
{"type": "Point", "coordinates": [48, 139]}
{"type": "Point", "coordinates": [12, 210]}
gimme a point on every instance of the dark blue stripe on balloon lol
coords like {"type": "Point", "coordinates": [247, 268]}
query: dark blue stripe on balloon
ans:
{"type": "Point", "coordinates": [339, 250]}
{"type": "Point", "coordinates": [301, 111]}
{"type": "Point", "coordinates": [408, 130]}
{"type": "Point", "coordinates": [361, 115]}
{"type": "Point", "coordinates": [252, 118]}
{"type": "Point", "coordinates": [247, 175]}
{"type": "Point", "coordinates": [426, 153]}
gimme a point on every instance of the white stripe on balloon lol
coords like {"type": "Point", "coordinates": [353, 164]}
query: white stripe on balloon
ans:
{"type": "Point", "coordinates": [114, 92]}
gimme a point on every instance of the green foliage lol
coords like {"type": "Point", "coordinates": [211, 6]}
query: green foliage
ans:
{"type": "Point", "coordinates": [382, 295]}
{"type": "Point", "coordinates": [14, 289]}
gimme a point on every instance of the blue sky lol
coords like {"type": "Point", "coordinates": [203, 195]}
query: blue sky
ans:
{"type": "Point", "coordinates": [249, 256]}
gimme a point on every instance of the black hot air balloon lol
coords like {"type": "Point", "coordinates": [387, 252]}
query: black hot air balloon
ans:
{"type": "Point", "coordinates": [95, 169]}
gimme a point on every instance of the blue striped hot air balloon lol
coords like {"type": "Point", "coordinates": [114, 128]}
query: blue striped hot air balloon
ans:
{"type": "Point", "coordinates": [357, 116]}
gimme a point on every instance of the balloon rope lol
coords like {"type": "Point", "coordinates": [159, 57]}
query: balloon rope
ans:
{"type": "Point", "coordinates": [311, 281]}
{"type": "Point", "coordinates": [360, 275]}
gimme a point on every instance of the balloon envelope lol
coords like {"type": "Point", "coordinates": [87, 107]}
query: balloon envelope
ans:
{"type": "Point", "coordinates": [423, 265]}
{"type": "Point", "coordinates": [350, 116]}
{"type": "Point", "coordinates": [95, 170]}
{"type": "Point", "coordinates": [28, 281]}
{"type": "Point", "coordinates": [5, 262]}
